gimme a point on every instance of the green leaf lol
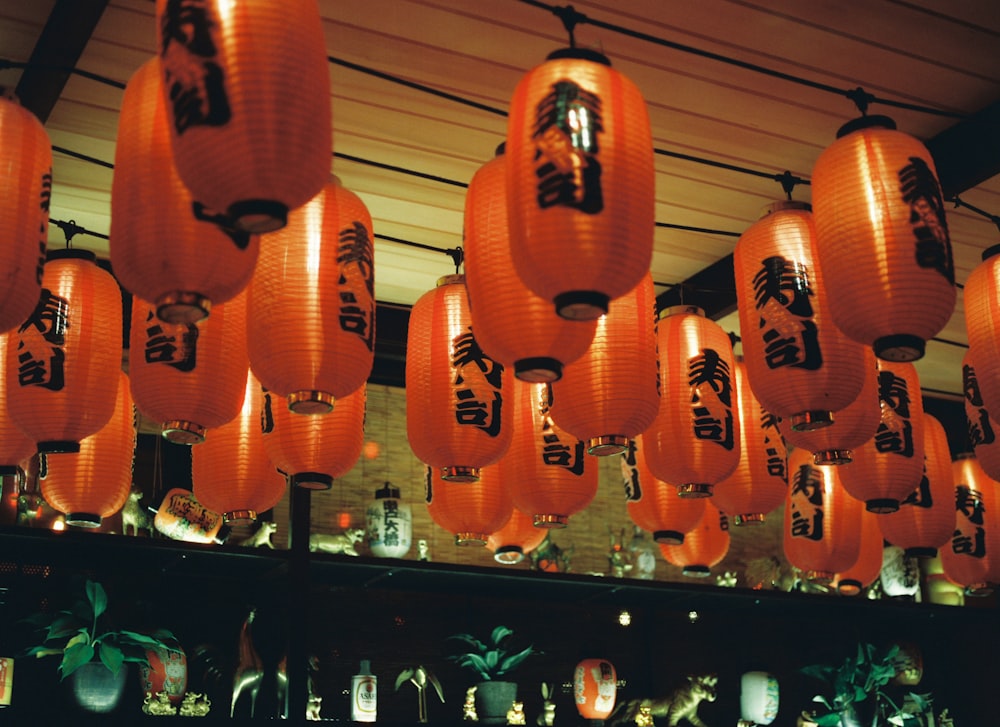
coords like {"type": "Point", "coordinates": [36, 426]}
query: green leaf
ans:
{"type": "Point", "coordinates": [474, 662]}
{"type": "Point", "coordinates": [828, 720]}
{"type": "Point", "coordinates": [112, 657]}
{"type": "Point", "coordinates": [404, 676]}
{"type": "Point", "coordinates": [513, 661]}
{"type": "Point", "coordinates": [470, 641]}
{"type": "Point", "coordinates": [74, 657]}
{"type": "Point", "coordinates": [97, 597]}
{"type": "Point", "coordinates": [499, 634]}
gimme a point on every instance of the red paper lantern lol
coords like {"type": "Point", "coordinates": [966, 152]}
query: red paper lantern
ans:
{"type": "Point", "coordinates": [549, 474]}
{"type": "Point", "coordinates": [536, 343]}
{"type": "Point", "coordinates": [311, 303]}
{"type": "Point", "coordinates": [801, 367]}
{"type": "Point", "coordinates": [469, 510]}
{"type": "Point", "coordinates": [704, 546]}
{"type": "Point", "coordinates": [925, 520]}
{"type": "Point", "coordinates": [189, 377]}
{"type": "Point", "coordinates": [981, 298]}
{"type": "Point", "coordinates": [887, 468]}
{"type": "Point", "coordinates": [610, 394]}
{"type": "Point", "coordinates": [821, 520]}
{"type": "Point", "coordinates": [595, 687]}
{"type": "Point", "coordinates": [869, 562]}
{"type": "Point", "coordinates": [981, 427]}
{"type": "Point", "coordinates": [230, 471]}
{"type": "Point", "coordinates": [882, 239]}
{"type": "Point", "coordinates": [94, 483]}
{"type": "Point", "coordinates": [653, 504]}
{"type": "Point", "coordinates": [248, 93]}
{"type": "Point", "coordinates": [15, 445]}
{"type": "Point", "coordinates": [25, 190]}
{"type": "Point", "coordinates": [760, 480]}
{"type": "Point", "coordinates": [170, 253]}
{"type": "Point", "coordinates": [695, 438]}
{"type": "Point", "coordinates": [580, 183]}
{"type": "Point", "coordinates": [516, 539]}
{"type": "Point", "coordinates": [457, 413]}
{"type": "Point", "coordinates": [313, 449]}
{"type": "Point", "coordinates": [966, 558]}
{"type": "Point", "coordinates": [68, 354]}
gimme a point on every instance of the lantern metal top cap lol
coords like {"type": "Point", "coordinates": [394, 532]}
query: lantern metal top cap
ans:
{"type": "Point", "coordinates": [70, 253]}
{"type": "Point", "coordinates": [866, 122]}
{"type": "Point", "coordinates": [785, 204]}
{"type": "Point", "coordinates": [991, 252]}
{"type": "Point", "coordinates": [674, 310]}
{"type": "Point", "coordinates": [453, 279]}
{"type": "Point", "coordinates": [579, 54]}
{"type": "Point", "coordinates": [387, 490]}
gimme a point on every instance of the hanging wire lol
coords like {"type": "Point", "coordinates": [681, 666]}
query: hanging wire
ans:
{"type": "Point", "coordinates": [958, 202]}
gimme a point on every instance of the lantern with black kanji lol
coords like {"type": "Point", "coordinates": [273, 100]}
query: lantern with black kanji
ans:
{"type": "Point", "coordinates": [536, 343]}
{"type": "Point", "coordinates": [980, 426]}
{"type": "Point", "coordinates": [610, 394]}
{"type": "Point", "coordinates": [63, 361]}
{"type": "Point", "coordinates": [580, 183]}
{"type": "Point", "coordinates": [595, 687]}
{"type": "Point", "coordinates": [801, 367]}
{"type": "Point", "coordinates": [517, 538]}
{"type": "Point", "coordinates": [311, 303]}
{"type": "Point", "coordinates": [189, 377]}
{"type": "Point", "coordinates": [653, 504]}
{"type": "Point", "coordinates": [695, 439]}
{"type": "Point", "coordinates": [172, 253]}
{"type": "Point", "coordinates": [247, 87]}
{"type": "Point", "coordinates": [469, 510]}
{"type": "Point", "coordinates": [458, 411]}
{"type": "Point", "coordinates": [704, 546]}
{"type": "Point", "coordinates": [966, 558]}
{"type": "Point", "coordinates": [882, 239]}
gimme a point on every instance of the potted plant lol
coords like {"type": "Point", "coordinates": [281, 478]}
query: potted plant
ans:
{"type": "Point", "coordinates": [92, 654]}
{"type": "Point", "coordinates": [491, 661]}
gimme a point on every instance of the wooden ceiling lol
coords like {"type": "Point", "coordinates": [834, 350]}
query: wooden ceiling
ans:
{"type": "Point", "coordinates": [738, 92]}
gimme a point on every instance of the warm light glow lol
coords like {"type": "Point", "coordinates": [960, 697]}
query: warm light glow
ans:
{"type": "Point", "coordinates": [694, 617]}
{"type": "Point", "coordinates": [344, 520]}
{"type": "Point", "coordinates": [59, 524]}
{"type": "Point", "coordinates": [624, 618]}
{"type": "Point", "coordinates": [371, 449]}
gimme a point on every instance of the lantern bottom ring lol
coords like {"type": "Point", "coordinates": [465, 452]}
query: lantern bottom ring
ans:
{"type": "Point", "coordinates": [810, 421]}
{"type": "Point", "coordinates": [312, 480]}
{"type": "Point", "coordinates": [550, 521]}
{"type": "Point", "coordinates": [750, 518]}
{"type": "Point", "coordinates": [538, 369]}
{"type": "Point", "coordinates": [900, 347]}
{"type": "Point", "coordinates": [832, 456]}
{"type": "Point", "coordinates": [509, 554]}
{"type": "Point", "coordinates": [471, 538]}
{"type": "Point", "coordinates": [310, 402]}
{"type": "Point", "coordinates": [182, 306]}
{"type": "Point", "coordinates": [882, 505]}
{"type": "Point", "coordinates": [258, 216]}
{"type": "Point", "coordinates": [180, 431]}
{"type": "Point", "coordinates": [607, 445]}
{"type": "Point", "coordinates": [239, 517]}
{"type": "Point", "coordinates": [581, 305]}
{"type": "Point", "coordinates": [58, 446]}
{"type": "Point", "coordinates": [83, 519]}
{"type": "Point", "coordinates": [849, 587]}
{"type": "Point", "coordinates": [694, 489]}
{"type": "Point", "coordinates": [459, 473]}
{"type": "Point", "coordinates": [696, 571]}
{"type": "Point", "coordinates": [821, 577]}
{"type": "Point", "coordinates": [11, 469]}
{"type": "Point", "coordinates": [669, 537]}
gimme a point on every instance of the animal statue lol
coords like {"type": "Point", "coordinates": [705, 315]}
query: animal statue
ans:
{"type": "Point", "coordinates": [249, 672]}
{"type": "Point", "coordinates": [339, 544]}
{"type": "Point", "coordinates": [547, 717]}
{"type": "Point", "coordinates": [313, 701]}
{"type": "Point", "coordinates": [135, 516]}
{"type": "Point", "coordinates": [159, 706]}
{"type": "Point", "coordinates": [469, 706]}
{"type": "Point", "coordinates": [618, 556]}
{"type": "Point", "coordinates": [423, 550]}
{"type": "Point", "coordinates": [313, 705]}
{"type": "Point", "coordinates": [261, 536]}
{"type": "Point", "coordinates": [681, 703]}
{"type": "Point", "coordinates": [515, 715]}
{"type": "Point", "coordinates": [550, 558]}
{"type": "Point", "coordinates": [195, 705]}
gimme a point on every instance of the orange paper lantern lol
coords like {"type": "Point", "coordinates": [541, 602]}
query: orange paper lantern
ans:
{"type": "Point", "coordinates": [94, 483]}
{"type": "Point", "coordinates": [230, 471]}
{"type": "Point", "coordinates": [595, 686]}
{"type": "Point", "coordinates": [457, 415]}
{"type": "Point", "coordinates": [869, 562]}
{"type": "Point", "coordinates": [965, 559]}
{"type": "Point", "coordinates": [580, 183]}
{"type": "Point", "coordinates": [610, 394]}
{"type": "Point", "coordinates": [980, 426]}
{"type": "Point", "coordinates": [653, 504]}
{"type": "Point", "coordinates": [982, 322]}
{"type": "Point", "coordinates": [311, 303]}
{"type": "Point", "coordinates": [882, 239]}
{"type": "Point", "coordinates": [801, 367]}
{"type": "Point", "coordinates": [469, 510]}
{"type": "Point", "coordinates": [516, 539]}
{"type": "Point", "coordinates": [170, 253]}
{"type": "Point", "coordinates": [15, 445]}
{"type": "Point", "coordinates": [189, 377]}
{"type": "Point", "coordinates": [313, 449]}
{"type": "Point", "coordinates": [536, 343]}
{"type": "Point", "coordinates": [704, 546]}
{"type": "Point", "coordinates": [695, 438]}
{"type": "Point", "coordinates": [248, 96]}
{"type": "Point", "coordinates": [63, 361]}
{"type": "Point", "coordinates": [25, 190]}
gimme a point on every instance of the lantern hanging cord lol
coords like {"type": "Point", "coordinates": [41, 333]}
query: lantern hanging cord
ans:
{"type": "Point", "coordinates": [71, 229]}
{"type": "Point", "coordinates": [569, 18]}
{"type": "Point", "coordinates": [457, 255]}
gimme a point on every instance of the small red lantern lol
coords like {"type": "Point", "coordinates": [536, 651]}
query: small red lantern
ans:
{"type": "Point", "coordinates": [982, 321]}
{"type": "Point", "coordinates": [516, 539]}
{"type": "Point", "coordinates": [311, 303]}
{"type": "Point", "coordinates": [653, 504]}
{"type": "Point", "coordinates": [981, 428]}
{"type": "Point", "coordinates": [25, 190]}
{"type": "Point", "coordinates": [469, 510]}
{"type": "Point", "coordinates": [704, 546]}
{"type": "Point", "coordinates": [966, 558]}
{"type": "Point", "coordinates": [882, 239]}
{"type": "Point", "coordinates": [595, 687]}
{"type": "Point", "coordinates": [580, 183]}
{"type": "Point", "coordinates": [247, 87]}
{"type": "Point", "coordinates": [458, 415]}
{"type": "Point", "coordinates": [15, 445]}
{"type": "Point", "coordinates": [869, 562]}
{"type": "Point", "coordinates": [68, 354]}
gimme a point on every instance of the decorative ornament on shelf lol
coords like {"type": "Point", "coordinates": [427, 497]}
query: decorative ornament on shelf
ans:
{"type": "Point", "coordinates": [389, 524]}
{"type": "Point", "coordinates": [595, 686]}
{"type": "Point", "coordinates": [680, 703]}
{"type": "Point", "coordinates": [758, 697]}
{"type": "Point", "coordinates": [420, 677]}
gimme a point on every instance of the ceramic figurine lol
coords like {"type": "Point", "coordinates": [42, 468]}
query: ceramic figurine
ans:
{"type": "Point", "coordinates": [260, 537]}
{"type": "Point", "coordinates": [548, 716]}
{"type": "Point", "coordinates": [313, 705]}
{"type": "Point", "coordinates": [158, 707]}
{"type": "Point", "coordinates": [339, 544]}
{"type": "Point", "coordinates": [135, 516]}
{"type": "Point", "coordinates": [423, 550]}
{"type": "Point", "coordinates": [515, 715]}
{"type": "Point", "coordinates": [726, 580]}
{"type": "Point", "coordinates": [249, 671]}
{"type": "Point", "coordinates": [195, 705]}
{"type": "Point", "coordinates": [644, 718]}
{"type": "Point", "coordinates": [618, 557]}
{"type": "Point", "coordinates": [681, 703]}
{"type": "Point", "coordinates": [469, 707]}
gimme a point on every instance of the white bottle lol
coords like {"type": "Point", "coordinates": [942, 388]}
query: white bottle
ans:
{"type": "Point", "coordinates": [364, 694]}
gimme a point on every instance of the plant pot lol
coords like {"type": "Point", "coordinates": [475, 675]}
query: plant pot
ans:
{"type": "Point", "coordinates": [96, 689]}
{"type": "Point", "coordinates": [493, 700]}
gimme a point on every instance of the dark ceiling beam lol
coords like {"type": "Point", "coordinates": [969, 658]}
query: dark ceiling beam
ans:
{"type": "Point", "coordinates": [55, 55]}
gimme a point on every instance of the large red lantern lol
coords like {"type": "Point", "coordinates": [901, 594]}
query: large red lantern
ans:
{"type": "Point", "coordinates": [966, 558]}
{"type": "Point", "coordinates": [980, 426]}
{"type": "Point", "coordinates": [869, 562]}
{"type": "Point", "coordinates": [189, 377]}
{"type": "Point", "coordinates": [63, 361]}
{"type": "Point", "coordinates": [230, 471]}
{"type": "Point", "coordinates": [94, 483]}
{"type": "Point", "coordinates": [311, 303]}
{"type": "Point", "coordinates": [982, 321]}
{"type": "Point", "coordinates": [458, 411]}
{"type": "Point", "coordinates": [15, 445]}
{"type": "Point", "coordinates": [886, 469]}
{"type": "Point", "coordinates": [801, 367]}
{"type": "Point", "coordinates": [881, 238]}
{"type": "Point", "coordinates": [595, 687]}
{"type": "Point", "coordinates": [925, 520]}
{"type": "Point", "coordinates": [548, 472]}
{"type": "Point", "coordinates": [695, 439]}
{"type": "Point", "coordinates": [469, 510]}
{"type": "Point", "coordinates": [170, 253]}
{"type": "Point", "coordinates": [536, 343]}
{"type": "Point", "coordinates": [580, 183]}
{"type": "Point", "coordinates": [610, 394]}
{"type": "Point", "coordinates": [248, 91]}
{"type": "Point", "coordinates": [704, 546]}
{"type": "Point", "coordinates": [313, 449]}
{"type": "Point", "coordinates": [25, 190]}
{"type": "Point", "coordinates": [760, 480]}
{"type": "Point", "coordinates": [653, 504]}
{"type": "Point", "coordinates": [517, 538]}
